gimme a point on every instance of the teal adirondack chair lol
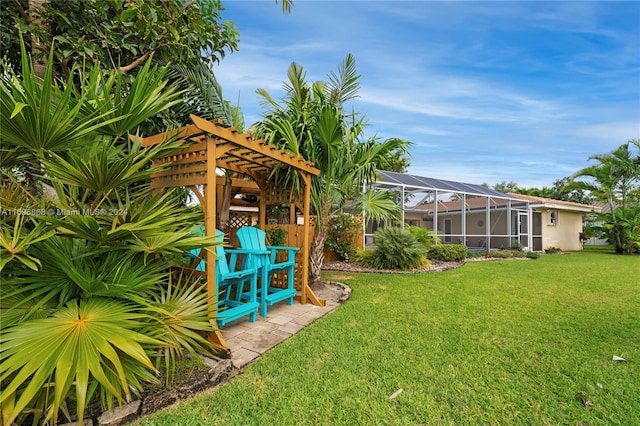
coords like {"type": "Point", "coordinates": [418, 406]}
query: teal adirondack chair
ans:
{"type": "Point", "coordinates": [235, 299]}
{"type": "Point", "coordinates": [264, 259]}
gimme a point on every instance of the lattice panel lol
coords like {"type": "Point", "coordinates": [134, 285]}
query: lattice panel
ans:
{"type": "Point", "coordinates": [276, 195]}
{"type": "Point", "coordinates": [238, 221]}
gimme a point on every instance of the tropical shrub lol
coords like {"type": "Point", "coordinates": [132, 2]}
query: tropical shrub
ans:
{"type": "Point", "coordinates": [625, 228]}
{"type": "Point", "coordinates": [396, 249]}
{"type": "Point", "coordinates": [87, 298]}
{"type": "Point", "coordinates": [615, 180]}
{"type": "Point", "coordinates": [448, 252]}
{"type": "Point", "coordinates": [532, 255]}
{"type": "Point", "coordinates": [424, 236]}
{"type": "Point", "coordinates": [277, 236]}
{"type": "Point", "coordinates": [508, 253]}
{"type": "Point", "coordinates": [343, 229]}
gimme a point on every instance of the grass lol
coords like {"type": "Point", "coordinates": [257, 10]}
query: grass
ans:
{"type": "Point", "coordinates": [500, 342]}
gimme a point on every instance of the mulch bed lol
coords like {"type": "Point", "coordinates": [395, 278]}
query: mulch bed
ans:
{"type": "Point", "coordinates": [436, 266]}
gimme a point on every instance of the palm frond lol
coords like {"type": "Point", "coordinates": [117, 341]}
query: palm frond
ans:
{"type": "Point", "coordinates": [71, 349]}
{"type": "Point", "coordinates": [345, 85]}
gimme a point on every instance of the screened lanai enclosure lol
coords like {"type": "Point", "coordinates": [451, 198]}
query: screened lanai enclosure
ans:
{"type": "Point", "coordinates": [460, 213]}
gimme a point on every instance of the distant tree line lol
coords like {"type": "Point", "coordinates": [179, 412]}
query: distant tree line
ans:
{"type": "Point", "coordinates": [558, 191]}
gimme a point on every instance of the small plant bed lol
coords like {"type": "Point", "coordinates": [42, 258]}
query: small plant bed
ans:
{"type": "Point", "coordinates": [434, 266]}
{"type": "Point", "coordinates": [191, 376]}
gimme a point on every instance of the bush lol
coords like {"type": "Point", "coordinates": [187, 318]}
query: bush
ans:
{"type": "Point", "coordinates": [88, 298]}
{"type": "Point", "coordinates": [506, 254]}
{"type": "Point", "coordinates": [343, 229]}
{"type": "Point", "coordinates": [424, 236]}
{"type": "Point", "coordinates": [397, 249]}
{"type": "Point", "coordinates": [532, 255]}
{"type": "Point", "coordinates": [277, 237]}
{"type": "Point", "coordinates": [448, 252]}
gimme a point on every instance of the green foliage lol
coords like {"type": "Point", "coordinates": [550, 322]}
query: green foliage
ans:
{"type": "Point", "coordinates": [396, 249]}
{"type": "Point", "coordinates": [517, 246]}
{"type": "Point", "coordinates": [277, 236]}
{"type": "Point", "coordinates": [87, 298]}
{"type": "Point", "coordinates": [120, 33]}
{"type": "Point", "coordinates": [343, 229]}
{"type": "Point", "coordinates": [448, 252]}
{"type": "Point", "coordinates": [424, 236]}
{"type": "Point", "coordinates": [624, 225]}
{"type": "Point", "coordinates": [311, 122]}
{"type": "Point", "coordinates": [615, 181]}
{"type": "Point", "coordinates": [532, 255]}
{"type": "Point", "coordinates": [508, 253]}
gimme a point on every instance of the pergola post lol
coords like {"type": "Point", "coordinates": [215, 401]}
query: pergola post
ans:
{"type": "Point", "coordinates": [209, 210]}
{"type": "Point", "coordinates": [305, 238]}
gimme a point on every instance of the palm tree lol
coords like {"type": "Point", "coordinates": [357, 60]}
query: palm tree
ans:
{"type": "Point", "coordinates": [615, 181]}
{"type": "Point", "coordinates": [312, 123]}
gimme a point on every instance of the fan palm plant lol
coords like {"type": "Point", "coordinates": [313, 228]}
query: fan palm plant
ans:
{"type": "Point", "coordinates": [312, 122]}
{"type": "Point", "coordinates": [87, 297]}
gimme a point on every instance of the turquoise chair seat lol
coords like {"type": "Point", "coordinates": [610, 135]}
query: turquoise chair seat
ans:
{"type": "Point", "coordinates": [236, 288]}
{"type": "Point", "coordinates": [264, 259]}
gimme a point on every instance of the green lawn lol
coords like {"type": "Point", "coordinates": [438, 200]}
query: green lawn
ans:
{"type": "Point", "coordinates": [501, 343]}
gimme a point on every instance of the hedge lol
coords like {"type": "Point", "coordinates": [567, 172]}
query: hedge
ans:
{"type": "Point", "coordinates": [447, 252]}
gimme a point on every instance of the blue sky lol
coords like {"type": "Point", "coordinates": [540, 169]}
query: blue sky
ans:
{"type": "Point", "coordinates": [488, 91]}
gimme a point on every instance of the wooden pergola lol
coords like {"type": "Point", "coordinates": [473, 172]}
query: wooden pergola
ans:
{"type": "Point", "coordinates": [207, 146]}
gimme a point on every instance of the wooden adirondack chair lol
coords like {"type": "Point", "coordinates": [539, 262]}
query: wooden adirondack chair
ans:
{"type": "Point", "coordinates": [233, 303]}
{"type": "Point", "coordinates": [264, 259]}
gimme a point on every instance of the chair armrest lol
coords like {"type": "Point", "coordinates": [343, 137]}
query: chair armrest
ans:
{"type": "Point", "coordinates": [246, 251]}
{"type": "Point", "coordinates": [283, 248]}
{"type": "Point", "coordinates": [274, 250]}
{"type": "Point", "coordinates": [233, 258]}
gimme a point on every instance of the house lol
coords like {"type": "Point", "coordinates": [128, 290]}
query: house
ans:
{"type": "Point", "coordinates": [482, 218]}
{"type": "Point", "coordinates": [557, 223]}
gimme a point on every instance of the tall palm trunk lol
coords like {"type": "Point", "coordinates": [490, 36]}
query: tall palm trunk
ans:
{"type": "Point", "coordinates": [225, 207]}
{"type": "Point", "coordinates": [316, 256]}
{"type": "Point", "coordinates": [37, 47]}
{"type": "Point", "coordinates": [316, 251]}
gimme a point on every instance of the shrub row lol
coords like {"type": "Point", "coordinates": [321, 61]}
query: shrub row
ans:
{"type": "Point", "coordinates": [448, 252]}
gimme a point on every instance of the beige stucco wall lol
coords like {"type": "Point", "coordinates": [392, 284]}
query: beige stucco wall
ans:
{"type": "Point", "coordinates": [566, 234]}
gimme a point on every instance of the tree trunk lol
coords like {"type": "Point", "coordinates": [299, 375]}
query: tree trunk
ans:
{"type": "Point", "coordinates": [223, 214]}
{"type": "Point", "coordinates": [40, 66]}
{"type": "Point", "coordinates": [616, 229]}
{"type": "Point", "coordinates": [316, 256]}
{"type": "Point", "coordinates": [316, 252]}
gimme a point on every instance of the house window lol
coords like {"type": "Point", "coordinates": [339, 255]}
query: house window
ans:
{"type": "Point", "coordinates": [552, 217]}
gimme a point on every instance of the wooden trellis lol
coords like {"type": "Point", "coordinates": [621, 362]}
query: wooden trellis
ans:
{"type": "Point", "coordinates": [207, 145]}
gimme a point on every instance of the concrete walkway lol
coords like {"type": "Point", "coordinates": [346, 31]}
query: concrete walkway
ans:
{"type": "Point", "coordinates": [249, 340]}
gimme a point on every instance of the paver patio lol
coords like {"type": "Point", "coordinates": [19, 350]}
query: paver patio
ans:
{"type": "Point", "coordinates": [250, 340]}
